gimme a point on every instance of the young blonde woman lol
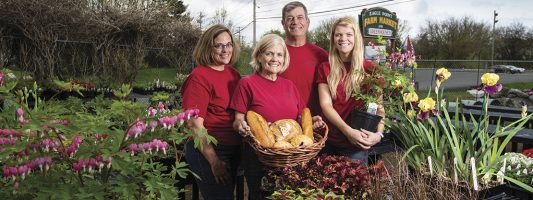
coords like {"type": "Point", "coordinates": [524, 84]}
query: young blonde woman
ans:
{"type": "Point", "coordinates": [337, 80]}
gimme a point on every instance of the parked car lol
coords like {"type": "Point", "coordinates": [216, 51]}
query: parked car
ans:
{"type": "Point", "coordinates": [507, 69]}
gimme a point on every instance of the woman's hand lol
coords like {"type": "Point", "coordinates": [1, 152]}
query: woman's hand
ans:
{"type": "Point", "coordinates": [373, 138]}
{"type": "Point", "coordinates": [243, 127]}
{"type": "Point", "coordinates": [240, 123]}
{"type": "Point", "coordinates": [318, 123]}
{"type": "Point", "coordinates": [220, 171]}
{"type": "Point", "coordinates": [358, 138]}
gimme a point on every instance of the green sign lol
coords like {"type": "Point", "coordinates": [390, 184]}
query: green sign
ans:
{"type": "Point", "coordinates": [378, 21]}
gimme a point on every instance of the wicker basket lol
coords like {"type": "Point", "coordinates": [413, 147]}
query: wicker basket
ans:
{"type": "Point", "coordinates": [287, 157]}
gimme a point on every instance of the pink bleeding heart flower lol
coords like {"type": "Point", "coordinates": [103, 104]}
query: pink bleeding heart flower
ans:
{"type": "Point", "coordinates": [1, 78]}
{"type": "Point", "coordinates": [153, 125]}
{"type": "Point", "coordinates": [136, 129]}
{"type": "Point", "coordinates": [168, 122]}
{"type": "Point", "coordinates": [151, 111]}
{"type": "Point", "coordinates": [161, 107]}
{"type": "Point", "coordinates": [20, 114]}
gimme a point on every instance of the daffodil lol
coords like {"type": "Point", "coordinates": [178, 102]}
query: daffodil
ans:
{"type": "Point", "coordinates": [426, 104]}
{"type": "Point", "coordinates": [410, 97]}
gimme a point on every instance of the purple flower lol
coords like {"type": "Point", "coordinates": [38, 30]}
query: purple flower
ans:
{"type": "Point", "coordinates": [492, 89]}
{"type": "Point", "coordinates": [153, 125]}
{"type": "Point", "coordinates": [423, 115]}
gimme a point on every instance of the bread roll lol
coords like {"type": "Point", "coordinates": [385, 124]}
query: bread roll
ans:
{"type": "Point", "coordinates": [282, 144]}
{"type": "Point", "coordinates": [301, 140]}
{"type": "Point", "coordinates": [285, 129]}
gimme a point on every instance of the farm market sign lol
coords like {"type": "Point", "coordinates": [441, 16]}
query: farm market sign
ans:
{"type": "Point", "coordinates": [378, 22]}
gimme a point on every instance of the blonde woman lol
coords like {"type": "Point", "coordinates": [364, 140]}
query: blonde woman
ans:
{"type": "Point", "coordinates": [337, 80]}
{"type": "Point", "coordinates": [268, 94]}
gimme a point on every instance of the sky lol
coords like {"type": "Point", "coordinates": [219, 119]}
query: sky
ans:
{"type": "Point", "coordinates": [415, 12]}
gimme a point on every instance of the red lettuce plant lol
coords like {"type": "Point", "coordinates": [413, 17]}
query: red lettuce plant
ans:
{"type": "Point", "coordinates": [335, 174]}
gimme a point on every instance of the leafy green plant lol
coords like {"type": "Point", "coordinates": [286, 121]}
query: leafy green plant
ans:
{"type": "Point", "coordinates": [159, 97]}
{"type": "Point", "coordinates": [385, 81]}
{"type": "Point", "coordinates": [445, 145]}
{"type": "Point", "coordinates": [103, 149]}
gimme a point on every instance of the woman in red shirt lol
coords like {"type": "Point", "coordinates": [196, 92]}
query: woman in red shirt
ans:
{"type": "Point", "coordinates": [337, 80]}
{"type": "Point", "coordinates": [209, 88]}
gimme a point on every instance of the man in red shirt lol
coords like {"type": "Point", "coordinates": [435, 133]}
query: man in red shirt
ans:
{"type": "Point", "coordinates": [304, 56]}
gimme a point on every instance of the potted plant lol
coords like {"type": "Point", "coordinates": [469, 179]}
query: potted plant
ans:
{"type": "Point", "coordinates": [382, 86]}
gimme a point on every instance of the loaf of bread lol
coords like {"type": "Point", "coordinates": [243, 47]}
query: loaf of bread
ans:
{"type": "Point", "coordinates": [307, 123]}
{"type": "Point", "coordinates": [285, 129]}
{"type": "Point", "coordinates": [282, 144]}
{"type": "Point", "coordinates": [301, 140]}
{"type": "Point", "coordinates": [260, 129]}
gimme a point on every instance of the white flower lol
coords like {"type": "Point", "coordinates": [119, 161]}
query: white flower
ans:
{"type": "Point", "coordinates": [524, 171]}
{"type": "Point", "coordinates": [11, 76]}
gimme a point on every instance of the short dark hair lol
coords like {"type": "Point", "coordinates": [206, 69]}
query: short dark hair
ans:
{"type": "Point", "coordinates": [203, 51]}
{"type": "Point", "coordinates": [292, 5]}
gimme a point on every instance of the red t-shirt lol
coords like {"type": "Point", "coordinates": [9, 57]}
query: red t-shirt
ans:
{"type": "Point", "coordinates": [340, 104]}
{"type": "Point", "coordinates": [210, 91]}
{"type": "Point", "coordinates": [302, 72]}
{"type": "Point", "coordinates": [274, 100]}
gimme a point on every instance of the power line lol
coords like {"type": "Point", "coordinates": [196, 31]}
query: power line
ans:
{"type": "Point", "coordinates": [332, 10]}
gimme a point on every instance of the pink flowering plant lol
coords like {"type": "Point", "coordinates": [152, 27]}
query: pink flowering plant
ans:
{"type": "Point", "coordinates": [386, 80]}
{"type": "Point", "coordinates": [102, 149]}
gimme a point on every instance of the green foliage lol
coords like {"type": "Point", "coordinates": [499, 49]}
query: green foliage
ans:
{"type": "Point", "coordinates": [159, 97]}
{"type": "Point", "coordinates": [105, 129]}
{"type": "Point", "coordinates": [123, 91]}
{"type": "Point", "coordinates": [451, 141]}
{"type": "Point", "coordinates": [146, 77]}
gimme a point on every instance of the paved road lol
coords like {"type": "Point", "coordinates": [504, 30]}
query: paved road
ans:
{"type": "Point", "coordinates": [465, 78]}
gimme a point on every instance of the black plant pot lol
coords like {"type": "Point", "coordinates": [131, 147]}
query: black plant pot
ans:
{"type": "Point", "coordinates": [364, 120]}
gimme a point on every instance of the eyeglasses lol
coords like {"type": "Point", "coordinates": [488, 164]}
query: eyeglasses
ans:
{"type": "Point", "coordinates": [221, 46]}
{"type": "Point", "coordinates": [270, 54]}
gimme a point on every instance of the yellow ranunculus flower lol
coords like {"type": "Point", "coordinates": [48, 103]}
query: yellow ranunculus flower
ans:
{"type": "Point", "coordinates": [443, 74]}
{"type": "Point", "coordinates": [426, 104]}
{"type": "Point", "coordinates": [397, 83]}
{"type": "Point", "coordinates": [490, 79]}
{"type": "Point", "coordinates": [410, 97]}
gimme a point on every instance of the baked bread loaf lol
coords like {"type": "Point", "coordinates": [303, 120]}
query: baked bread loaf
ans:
{"type": "Point", "coordinates": [307, 123]}
{"type": "Point", "coordinates": [282, 144]}
{"type": "Point", "coordinates": [260, 129]}
{"type": "Point", "coordinates": [285, 129]}
{"type": "Point", "coordinates": [301, 140]}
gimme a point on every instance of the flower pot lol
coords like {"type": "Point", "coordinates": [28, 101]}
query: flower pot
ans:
{"type": "Point", "coordinates": [364, 120]}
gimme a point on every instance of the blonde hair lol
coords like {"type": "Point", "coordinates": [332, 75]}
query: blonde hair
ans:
{"type": "Point", "coordinates": [203, 51]}
{"type": "Point", "coordinates": [264, 43]}
{"type": "Point", "coordinates": [354, 77]}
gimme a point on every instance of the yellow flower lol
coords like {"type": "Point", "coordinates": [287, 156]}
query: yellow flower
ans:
{"type": "Point", "coordinates": [490, 79]}
{"type": "Point", "coordinates": [443, 74]}
{"type": "Point", "coordinates": [426, 104]}
{"type": "Point", "coordinates": [397, 83]}
{"type": "Point", "coordinates": [410, 97]}
{"type": "Point", "coordinates": [410, 113]}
